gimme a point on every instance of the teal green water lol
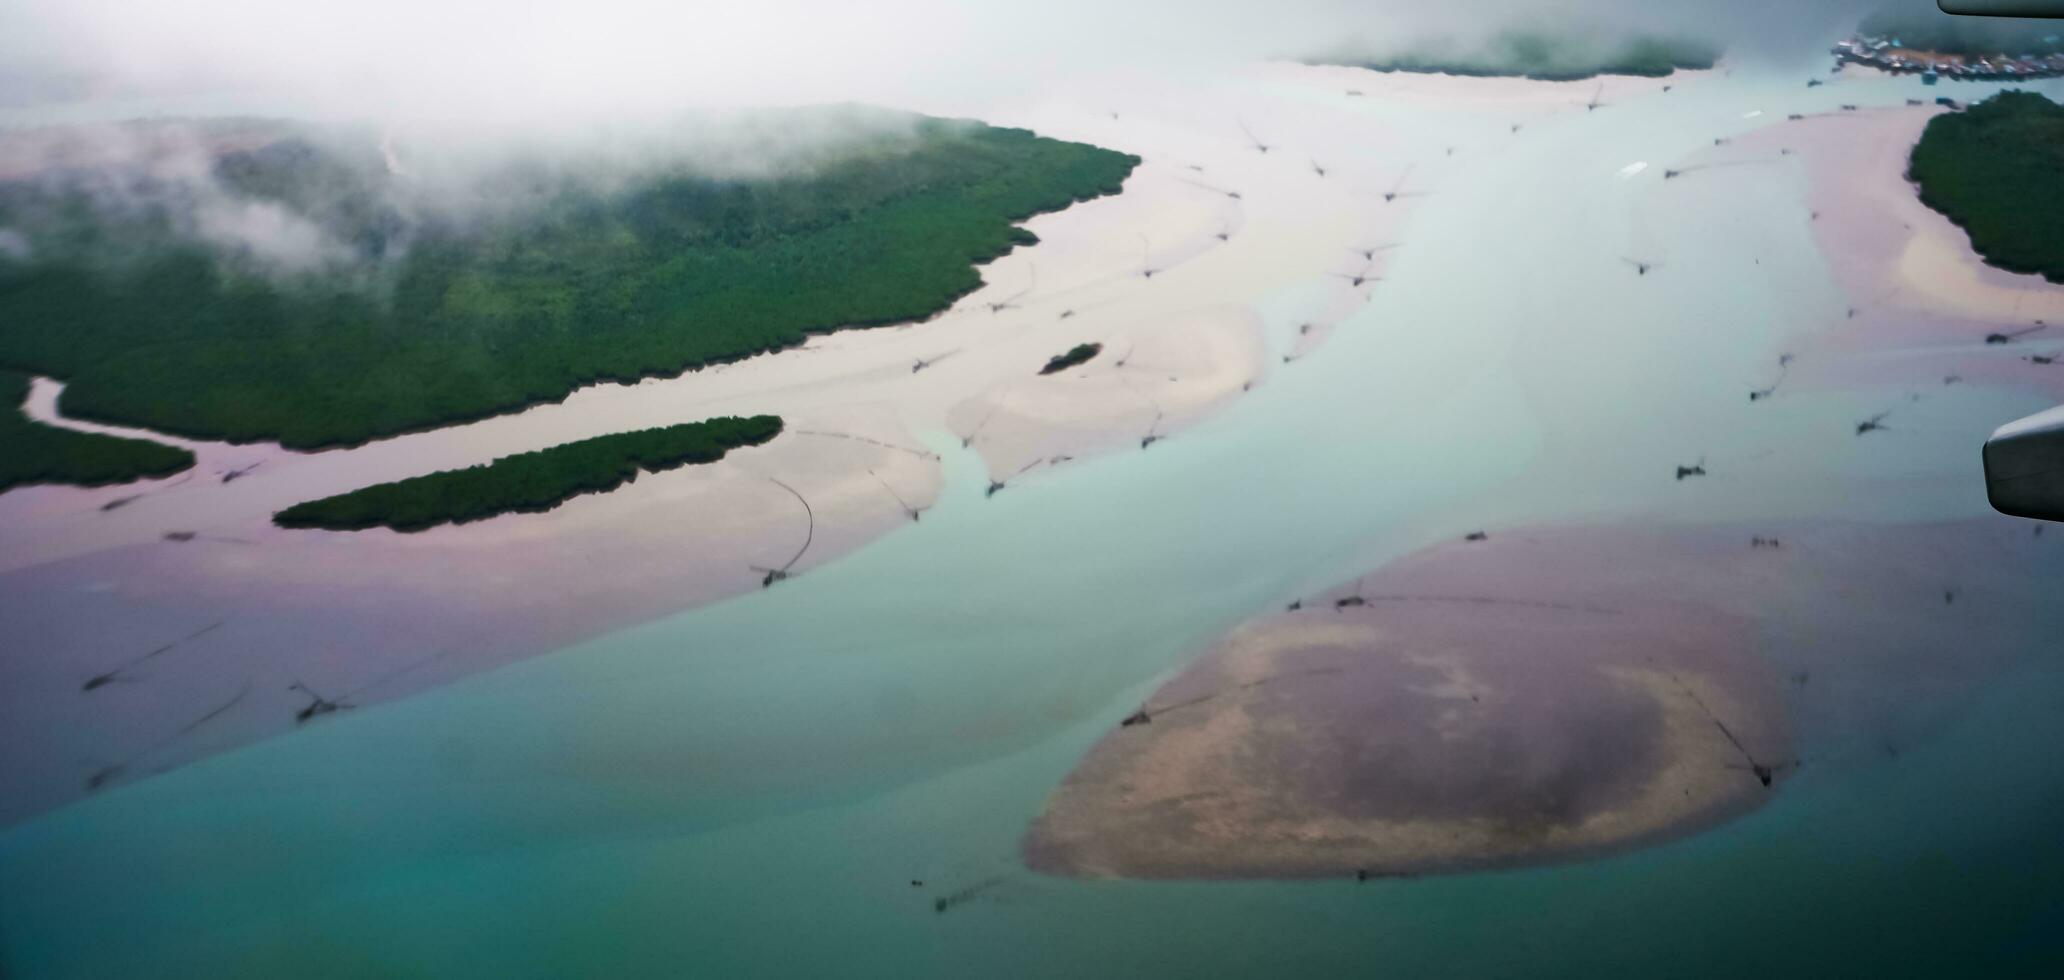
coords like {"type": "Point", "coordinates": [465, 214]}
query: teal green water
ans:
{"type": "Point", "coordinates": [747, 789]}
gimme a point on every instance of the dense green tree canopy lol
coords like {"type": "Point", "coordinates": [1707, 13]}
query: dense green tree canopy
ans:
{"type": "Point", "coordinates": [1078, 354]}
{"type": "Point", "coordinates": [31, 452]}
{"type": "Point", "coordinates": [529, 482]}
{"type": "Point", "coordinates": [409, 317]}
{"type": "Point", "coordinates": [1547, 56]}
{"type": "Point", "coordinates": [1997, 170]}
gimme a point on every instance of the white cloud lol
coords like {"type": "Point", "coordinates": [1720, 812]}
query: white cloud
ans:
{"type": "Point", "coordinates": [554, 59]}
{"type": "Point", "coordinates": [268, 233]}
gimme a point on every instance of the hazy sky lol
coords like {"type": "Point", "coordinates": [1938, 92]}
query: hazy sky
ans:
{"type": "Point", "coordinates": [515, 59]}
{"type": "Point", "coordinates": [456, 84]}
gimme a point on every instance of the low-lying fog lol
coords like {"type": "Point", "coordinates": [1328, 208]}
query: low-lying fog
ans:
{"type": "Point", "coordinates": [549, 62]}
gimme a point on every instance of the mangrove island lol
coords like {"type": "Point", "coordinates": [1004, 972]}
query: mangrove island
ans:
{"type": "Point", "coordinates": [529, 482]}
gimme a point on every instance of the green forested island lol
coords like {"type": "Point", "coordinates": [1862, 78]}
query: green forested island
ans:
{"type": "Point", "coordinates": [1546, 56]}
{"type": "Point", "coordinates": [1997, 170]}
{"type": "Point", "coordinates": [529, 482]}
{"type": "Point", "coordinates": [1078, 354]}
{"type": "Point", "coordinates": [31, 452]}
{"type": "Point", "coordinates": [406, 314]}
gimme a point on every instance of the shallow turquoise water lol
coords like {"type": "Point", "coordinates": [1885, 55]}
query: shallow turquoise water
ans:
{"type": "Point", "coordinates": [747, 789]}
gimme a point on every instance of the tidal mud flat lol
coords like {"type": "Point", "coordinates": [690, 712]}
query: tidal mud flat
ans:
{"type": "Point", "coordinates": [1922, 309]}
{"type": "Point", "coordinates": [1174, 276]}
{"type": "Point", "coordinates": [1539, 696]}
{"type": "Point", "coordinates": [1441, 735]}
{"type": "Point", "coordinates": [904, 713]}
{"type": "Point", "coordinates": [1262, 264]}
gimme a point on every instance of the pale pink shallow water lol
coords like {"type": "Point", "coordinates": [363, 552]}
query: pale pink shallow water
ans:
{"type": "Point", "coordinates": [690, 791]}
{"type": "Point", "coordinates": [384, 614]}
{"type": "Point", "coordinates": [1919, 302]}
{"type": "Point", "coordinates": [376, 614]}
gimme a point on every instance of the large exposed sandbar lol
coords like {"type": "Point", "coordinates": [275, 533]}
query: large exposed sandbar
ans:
{"type": "Point", "coordinates": [1547, 694]}
{"type": "Point", "coordinates": [1436, 734]}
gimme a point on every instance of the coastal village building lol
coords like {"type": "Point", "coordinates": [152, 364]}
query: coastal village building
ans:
{"type": "Point", "coordinates": [1889, 54]}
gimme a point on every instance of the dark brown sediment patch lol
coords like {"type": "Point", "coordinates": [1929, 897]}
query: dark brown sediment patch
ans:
{"type": "Point", "coordinates": [1425, 736]}
{"type": "Point", "coordinates": [1546, 695]}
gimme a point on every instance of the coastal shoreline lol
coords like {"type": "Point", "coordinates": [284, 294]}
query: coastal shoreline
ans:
{"type": "Point", "coordinates": [1623, 681]}
{"type": "Point", "coordinates": [1236, 282]}
{"type": "Point", "coordinates": [93, 573]}
{"type": "Point", "coordinates": [1921, 302]}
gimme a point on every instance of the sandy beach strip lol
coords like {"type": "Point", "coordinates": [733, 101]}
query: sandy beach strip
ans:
{"type": "Point", "coordinates": [1921, 303]}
